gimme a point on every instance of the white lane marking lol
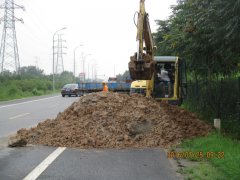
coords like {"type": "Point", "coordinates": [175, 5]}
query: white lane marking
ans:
{"type": "Point", "coordinates": [10, 105]}
{"type": "Point", "coordinates": [53, 106]}
{"type": "Point", "coordinates": [43, 165]}
{"type": "Point", "coordinates": [18, 116]}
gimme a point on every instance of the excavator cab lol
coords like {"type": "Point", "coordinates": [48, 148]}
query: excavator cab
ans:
{"type": "Point", "coordinates": [170, 80]}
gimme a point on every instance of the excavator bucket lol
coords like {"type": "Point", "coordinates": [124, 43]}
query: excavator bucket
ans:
{"type": "Point", "coordinates": [141, 69]}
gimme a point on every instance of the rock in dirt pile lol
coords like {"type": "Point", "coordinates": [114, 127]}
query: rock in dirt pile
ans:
{"type": "Point", "coordinates": [112, 120]}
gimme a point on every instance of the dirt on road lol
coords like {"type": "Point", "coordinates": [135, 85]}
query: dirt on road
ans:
{"type": "Point", "coordinates": [112, 120]}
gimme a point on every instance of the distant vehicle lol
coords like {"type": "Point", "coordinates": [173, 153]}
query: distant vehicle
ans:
{"type": "Point", "coordinates": [70, 89]}
{"type": "Point", "coordinates": [112, 79]}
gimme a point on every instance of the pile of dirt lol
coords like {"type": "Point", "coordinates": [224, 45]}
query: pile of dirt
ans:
{"type": "Point", "coordinates": [112, 120]}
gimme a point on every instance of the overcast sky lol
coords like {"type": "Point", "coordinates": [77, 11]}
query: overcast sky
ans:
{"type": "Point", "coordinates": [104, 27]}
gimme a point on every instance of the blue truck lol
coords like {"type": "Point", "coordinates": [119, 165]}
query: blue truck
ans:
{"type": "Point", "coordinates": [90, 87]}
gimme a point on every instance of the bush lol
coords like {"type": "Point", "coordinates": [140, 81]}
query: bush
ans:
{"type": "Point", "coordinates": [35, 92]}
{"type": "Point", "coordinates": [13, 90]}
{"type": "Point", "coordinates": [22, 87]}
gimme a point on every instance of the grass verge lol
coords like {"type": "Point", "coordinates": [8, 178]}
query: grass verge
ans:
{"type": "Point", "coordinates": [6, 97]}
{"type": "Point", "coordinates": [202, 170]}
{"type": "Point", "coordinates": [219, 157]}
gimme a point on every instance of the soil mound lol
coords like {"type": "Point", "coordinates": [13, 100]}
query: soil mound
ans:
{"type": "Point", "coordinates": [112, 120]}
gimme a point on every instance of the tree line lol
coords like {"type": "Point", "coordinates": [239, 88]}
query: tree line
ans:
{"type": "Point", "coordinates": [31, 81]}
{"type": "Point", "coordinates": [205, 33]}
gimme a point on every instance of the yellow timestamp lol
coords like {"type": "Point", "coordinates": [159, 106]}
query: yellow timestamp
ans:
{"type": "Point", "coordinates": [196, 154]}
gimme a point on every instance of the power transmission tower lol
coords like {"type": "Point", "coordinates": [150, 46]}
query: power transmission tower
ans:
{"type": "Point", "coordinates": [59, 64]}
{"type": "Point", "coordinates": [9, 57]}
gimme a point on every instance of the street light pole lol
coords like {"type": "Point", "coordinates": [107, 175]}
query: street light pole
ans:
{"type": "Point", "coordinates": [83, 60]}
{"type": "Point", "coordinates": [88, 68]}
{"type": "Point", "coordinates": [74, 60]}
{"type": "Point", "coordinates": [53, 79]}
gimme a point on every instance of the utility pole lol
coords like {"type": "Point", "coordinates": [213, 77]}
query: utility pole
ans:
{"type": "Point", "coordinates": [83, 65]}
{"type": "Point", "coordinates": [95, 71]}
{"type": "Point", "coordinates": [74, 60]}
{"type": "Point", "coordinates": [114, 75]}
{"type": "Point", "coordinates": [9, 57]}
{"type": "Point", "coordinates": [60, 47]}
{"type": "Point", "coordinates": [36, 61]}
{"type": "Point", "coordinates": [83, 73]}
{"type": "Point", "coordinates": [88, 76]}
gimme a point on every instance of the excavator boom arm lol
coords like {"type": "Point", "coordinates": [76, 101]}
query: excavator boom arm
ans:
{"type": "Point", "coordinates": [141, 65]}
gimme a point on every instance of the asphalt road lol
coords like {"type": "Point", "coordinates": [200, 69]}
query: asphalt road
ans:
{"type": "Point", "coordinates": [26, 113]}
{"type": "Point", "coordinates": [41, 162]}
{"type": "Point", "coordinates": [75, 164]}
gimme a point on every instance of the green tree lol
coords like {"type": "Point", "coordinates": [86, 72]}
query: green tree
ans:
{"type": "Point", "coordinates": [205, 33]}
{"type": "Point", "coordinates": [65, 77]}
{"type": "Point", "coordinates": [31, 71]}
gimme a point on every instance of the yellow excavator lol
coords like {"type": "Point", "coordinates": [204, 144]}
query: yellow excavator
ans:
{"type": "Point", "coordinates": [165, 75]}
